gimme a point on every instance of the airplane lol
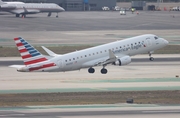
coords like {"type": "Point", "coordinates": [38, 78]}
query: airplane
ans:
{"type": "Point", "coordinates": [1, 2]}
{"type": "Point", "coordinates": [31, 8]}
{"type": "Point", "coordinates": [116, 53]}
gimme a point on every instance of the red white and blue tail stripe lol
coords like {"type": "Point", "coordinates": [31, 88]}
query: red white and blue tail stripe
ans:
{"type": "Point", "coordinates": [33, 59]}
{"type": "Point", "coordinates": [28, 53]}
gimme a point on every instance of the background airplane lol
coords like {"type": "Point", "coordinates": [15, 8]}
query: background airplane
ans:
{"type": "Point", "coordinates": [23, 9]}
{"type": "Point", "coordinates": [117, 53]}
{"type": "Point", "coordinates": [1, 2]}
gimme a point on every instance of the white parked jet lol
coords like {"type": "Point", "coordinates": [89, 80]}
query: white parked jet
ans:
{"type": "Point", "coordinates": [1, 2]}
{"type": "Point", "coordinates": [117, 53]}
{"type": "Point", "coordinates": [31, 8]}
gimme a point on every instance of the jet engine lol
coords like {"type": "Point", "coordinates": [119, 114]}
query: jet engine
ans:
{"type": "Point", "coordinates": [122, 61]}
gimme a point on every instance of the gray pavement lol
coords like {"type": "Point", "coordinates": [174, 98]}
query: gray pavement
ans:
{"type": "Point", "coordinates": [93, 111]}
{"type": "Point", "coordinates": [83, 21]}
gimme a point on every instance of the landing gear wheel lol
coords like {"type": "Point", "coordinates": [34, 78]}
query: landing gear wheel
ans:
{"type": "Point", "coordinates": [57, 15]}
{"type": "Point", "coordinates": [103, 71]}
{"type": "Point", "coordinates": [17, 15]}
{"type": "Point", "coordinates": [49, 14]}
{"type": "Point", "coordinates": [151, 59]}
{"type": "Point", "coordinates": [91, 70]}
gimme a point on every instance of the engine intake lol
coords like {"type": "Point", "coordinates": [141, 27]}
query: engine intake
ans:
{"type": "Point", "coordinates": [123, 61]}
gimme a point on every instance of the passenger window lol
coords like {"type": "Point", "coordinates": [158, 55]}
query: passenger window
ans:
{"type": "Point", "coordinates": [101, 51]}
{"type": "Point", "coordinates": [69, 59]}
{"type": "Point", "coordinates": [89, 54]}
{"type": "Point", "coordinates": [73, 58]}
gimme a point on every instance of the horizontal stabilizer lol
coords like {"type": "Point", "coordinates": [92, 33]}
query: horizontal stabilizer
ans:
{"type": "Point", "coordinates": [16, 66]}
{"type": "Point", "coordinates": [51, 53]}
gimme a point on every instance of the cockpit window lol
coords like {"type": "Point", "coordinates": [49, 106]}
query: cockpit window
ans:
{"type": "Point", "coordinates": [156, 37]}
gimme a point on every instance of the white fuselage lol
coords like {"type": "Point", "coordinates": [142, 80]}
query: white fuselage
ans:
{"type": "Point", "coordinates": [88, 57]}
{"type": "Point", "coordinates": [31, 8]}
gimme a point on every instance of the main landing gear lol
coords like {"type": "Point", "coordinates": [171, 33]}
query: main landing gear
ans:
{"type": "Point", "coordinates": [91, 70]}
{"type": "Point", "coordinates": [17, 15]}
{"type": "Point", "coordinates": [150, 58]}
{"type": "Point", "coordinates": [103, 70]}
{"type": "Point", "coordinates": [57, 15]}
{"type": "Point", "coordinates": [49, 14]}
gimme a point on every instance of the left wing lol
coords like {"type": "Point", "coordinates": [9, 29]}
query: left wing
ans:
{"type": "Point", "coordinates": [112, 58]}
{"type": "Point", "coordinates": [102, 61]}
{"type": "Point", "coordinates": [26, 11]}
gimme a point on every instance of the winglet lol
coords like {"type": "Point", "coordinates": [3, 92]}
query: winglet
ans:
{"type": "Point", "coordinates": [51, 53]}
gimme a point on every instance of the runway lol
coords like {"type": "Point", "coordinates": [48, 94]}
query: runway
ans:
{"type": "Point", "coordinates": [137, 76]}
{"type": "Point", "coordinates": [93, 111]}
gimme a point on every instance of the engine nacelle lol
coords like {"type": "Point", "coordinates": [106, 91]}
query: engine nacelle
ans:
{"type": "Point", "coordinates": [123, 61]}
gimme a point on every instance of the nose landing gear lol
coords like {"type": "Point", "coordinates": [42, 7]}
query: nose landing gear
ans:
{"type": "Point", "coordinates": [151, 58]}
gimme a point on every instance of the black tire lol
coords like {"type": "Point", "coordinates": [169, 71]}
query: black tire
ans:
{"type": "Point", "coordinates": [91, 70]}
{"type": "Point", "coordinates": [103, 71]}
{"type": "Point", "coordinates": [151, 59]}
{"type": "Point", "coordinates": [17, 15]}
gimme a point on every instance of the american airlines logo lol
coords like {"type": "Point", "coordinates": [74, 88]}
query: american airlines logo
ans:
{"type": "Point", "coordinates": [132, 47]}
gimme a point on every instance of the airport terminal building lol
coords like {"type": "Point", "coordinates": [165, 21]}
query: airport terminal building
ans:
{"type": "Point", "coordinates": [76, 5]}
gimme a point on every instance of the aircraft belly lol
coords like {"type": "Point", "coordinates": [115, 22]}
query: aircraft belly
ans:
{"type": "Point", "coordinates": [49, 69]}
{"type": "Point", "coordinates": [49, 10]}
{"type": "Point", "coordinates": [74, 66]}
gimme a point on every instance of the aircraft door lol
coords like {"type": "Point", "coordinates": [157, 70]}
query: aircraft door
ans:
{"type": "Point", "coordinates": [148, 42]}
{"type": "Point", "coordinates": [60, 63]}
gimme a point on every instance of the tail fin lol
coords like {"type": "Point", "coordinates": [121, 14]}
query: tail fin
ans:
{"type": "Point", "coordinates": [1, 2]}
{"type": "Point", "coordinates": [28, 53]}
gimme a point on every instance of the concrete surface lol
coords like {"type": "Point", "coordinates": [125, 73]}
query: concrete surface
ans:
{"type": "Point", "coordinates": [93, 111]}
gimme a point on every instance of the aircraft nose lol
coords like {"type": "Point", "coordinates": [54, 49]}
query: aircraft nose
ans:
{"type": "Point", "coordinates": [165, 41]}
{"type": "Point", "coordinates": [62, 9]}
